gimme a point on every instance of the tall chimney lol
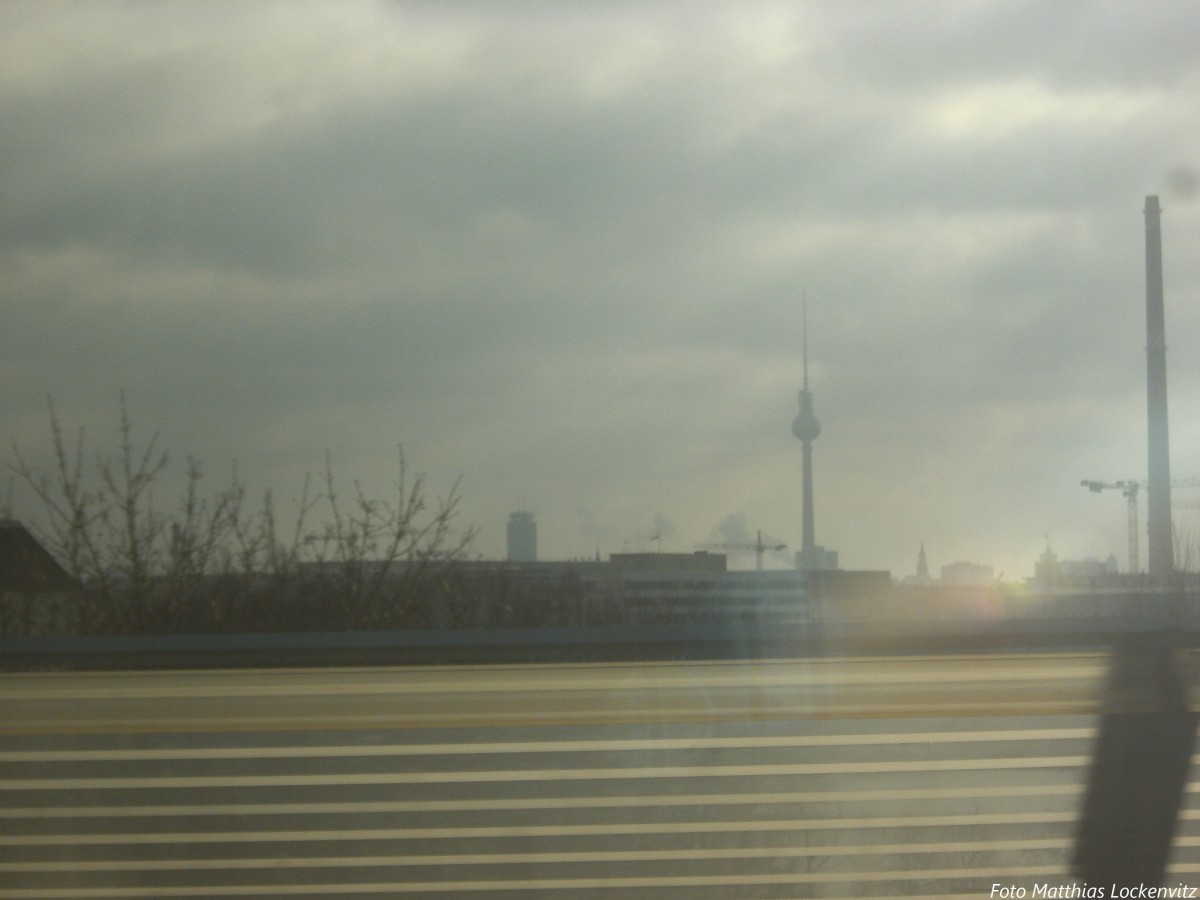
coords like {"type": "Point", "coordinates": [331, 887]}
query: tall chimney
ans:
{"type": "Point", "coordinates": [1143, 748]}
{"type": "Point", "coordinates": [1162, 553]}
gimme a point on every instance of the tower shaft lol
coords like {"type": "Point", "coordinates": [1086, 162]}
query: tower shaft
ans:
{"type": "Point", "coordinates": [809, 527]}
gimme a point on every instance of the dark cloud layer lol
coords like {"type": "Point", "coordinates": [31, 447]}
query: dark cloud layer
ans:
{"type": "Point", "coordinates": [558, 249]}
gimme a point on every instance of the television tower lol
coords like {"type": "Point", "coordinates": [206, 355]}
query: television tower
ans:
{"type": "Point", "coordinates": [806, 428]}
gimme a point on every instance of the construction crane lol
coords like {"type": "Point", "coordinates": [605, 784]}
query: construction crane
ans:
{"type": "Point", "coordinates": [1129, 490]}
{"type": "Point", "coordinates": [758, 547]}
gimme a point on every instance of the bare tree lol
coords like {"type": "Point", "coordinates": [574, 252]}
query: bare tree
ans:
{"type": "Point", "coordinates": [213, 564]}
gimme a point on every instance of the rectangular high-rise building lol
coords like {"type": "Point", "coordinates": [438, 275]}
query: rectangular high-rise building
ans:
{"type": "Point", "coordinates": [522, 537]}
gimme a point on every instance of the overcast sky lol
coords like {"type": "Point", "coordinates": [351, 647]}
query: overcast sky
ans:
{"type": "Point", "coordinates": [558, 249]}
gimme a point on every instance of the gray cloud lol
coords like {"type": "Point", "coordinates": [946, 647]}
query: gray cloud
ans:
{"type": "Point", "coordinates": [558, 249]}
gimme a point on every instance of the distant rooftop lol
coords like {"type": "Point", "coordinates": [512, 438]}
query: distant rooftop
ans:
{"type": "Point", "coordinates": [25, 565]}
{"type": "Point", "coordinates": [701, 561]}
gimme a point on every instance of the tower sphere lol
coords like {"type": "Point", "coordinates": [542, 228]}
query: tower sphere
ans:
{"type": "Point", "coordinates": [805, 426]}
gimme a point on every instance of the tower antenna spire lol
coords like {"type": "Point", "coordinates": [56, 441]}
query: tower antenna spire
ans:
{"type": "Point", "coordinates": [804, 332]}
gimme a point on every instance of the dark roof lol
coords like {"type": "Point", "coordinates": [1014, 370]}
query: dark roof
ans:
{"type": "Point", "coordinates": [25, 565]}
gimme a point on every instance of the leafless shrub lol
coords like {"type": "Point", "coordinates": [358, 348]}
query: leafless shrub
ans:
{"type": "Point", "coordinates": [212, 563]}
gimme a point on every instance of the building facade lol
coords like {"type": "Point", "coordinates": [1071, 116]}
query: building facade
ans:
{"type": "Point", "coordinates": [522, 537]}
